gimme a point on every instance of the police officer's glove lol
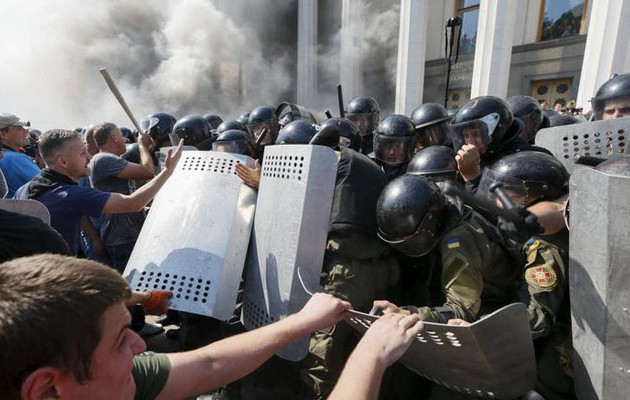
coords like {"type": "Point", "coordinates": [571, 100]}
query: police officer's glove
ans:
{"type": "Point", "coordinates": [522, 231]}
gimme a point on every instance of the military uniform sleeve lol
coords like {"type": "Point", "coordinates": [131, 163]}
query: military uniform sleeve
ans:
{"type": "Point", "coordinates": [150, 372]}
{"type": "Point", "coordinates": [545, 285]}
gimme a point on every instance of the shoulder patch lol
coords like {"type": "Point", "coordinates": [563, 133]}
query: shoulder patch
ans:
{"type": "Point", "coordinates": [453, 243]}
{"type": "Point", "coordinates": [532, 244]}
{"type": "Point", "coordinates": [541, 276]}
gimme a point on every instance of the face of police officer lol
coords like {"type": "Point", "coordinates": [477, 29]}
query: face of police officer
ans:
{"type": "Point", "coordinates": [617, 108]}
{"type": "Point", "coordinates": [363, 121]}
{"type": "Point", "coordinates": [474, 136]}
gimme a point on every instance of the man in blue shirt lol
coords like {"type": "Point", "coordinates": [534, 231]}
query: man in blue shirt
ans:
{"type": "Point", "coordinates": [67, 158]}
{"type": "Point", "coordinates": [17, 167]}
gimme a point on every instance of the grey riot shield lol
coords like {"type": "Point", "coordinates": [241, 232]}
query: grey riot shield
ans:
{"type": "Point", "coordinates": [194, 240]}
{"type": "Point", "coordinates": [163, 150]}
{"type": "Point", "coordinates": [26, 207]}
{"type": "Point", "coordinates": [491, 358]}
{"type": "Point", "coordinates": [290, 229]}
{"type": "Point", "coordinates": [598, 139]}
{"type": "Point", "coordinates": [599, 276]}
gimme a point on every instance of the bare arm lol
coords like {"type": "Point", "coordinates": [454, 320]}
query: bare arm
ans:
{"type": "Point", "coordinates": [144, 170]}
{"type": "Point", "coordinates": [227, 360]}
{"type": "Point", "coordinates": [550, 214]}
{"type": "Point", "coordinates": [386, 341]}
{"type": "Point", "coordinates": [95, 238]}
{"type": "Point", "coordinates": [118, 203]}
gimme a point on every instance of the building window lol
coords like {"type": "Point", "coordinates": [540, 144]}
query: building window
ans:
{"type": "Point", "coordinates": [468, 10]}
{"type": "Point", "coordinates": [562, 19]}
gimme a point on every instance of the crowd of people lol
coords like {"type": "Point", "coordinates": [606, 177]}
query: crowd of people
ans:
{"type": "Point", "coordinates": [407, 240]}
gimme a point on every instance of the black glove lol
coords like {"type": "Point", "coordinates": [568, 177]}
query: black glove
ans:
{"type": "Point", "coordinates": [521, 232]}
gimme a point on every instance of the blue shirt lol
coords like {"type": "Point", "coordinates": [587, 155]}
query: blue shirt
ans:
{"type": "Point", "coordinates": [67, 204]}
{"type": "Point", "coordinates": [18, 169]}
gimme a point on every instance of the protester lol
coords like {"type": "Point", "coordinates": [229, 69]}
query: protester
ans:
{"type": "Point", "coordinates": [17, 167]}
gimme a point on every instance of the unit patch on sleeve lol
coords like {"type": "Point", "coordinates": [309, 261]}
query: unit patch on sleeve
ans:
{"type": "Point", "coordinates": [541, 276]}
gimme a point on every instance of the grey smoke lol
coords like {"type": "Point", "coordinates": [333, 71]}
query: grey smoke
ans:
{"type": "Point", "coordinates": [179, 56]}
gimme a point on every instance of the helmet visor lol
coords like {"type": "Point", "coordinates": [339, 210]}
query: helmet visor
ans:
{"type": "Point", "coordinates": [515, 188]}
{"type": "Point", "coordinates": [230, 146]}
{"type": "Point", "coordinates": [477, 132]}
{"type": "Point", "coordinates": [394, 150]}
{"type": "Point", "coordinates": [363, 121]}
{"type": "Point", "coordinates": [433, 135]}
{"type": "Point", "coordinates": [419, 243]}
{"type": "Point", "coordinates": [257, 130]}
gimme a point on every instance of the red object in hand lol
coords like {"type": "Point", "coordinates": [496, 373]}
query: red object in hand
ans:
{"type": "Point", "coordinates": [158, 302]}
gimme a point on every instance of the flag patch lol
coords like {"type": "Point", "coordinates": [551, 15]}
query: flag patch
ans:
{"type": "Point", "coordinates": [453, 243]}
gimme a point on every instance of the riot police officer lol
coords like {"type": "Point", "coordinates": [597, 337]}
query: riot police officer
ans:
{"type": "Point", "coordinates": [612, 99]}
{"type": "Point", "coordinates": [394, 144]}
{"type": "Point", "coordinates": [364, 112]}
{"type": "Point", "coordinates": [160, 132]}
{"type": "Point", "coordinates": [527, 109]}
{"type": "Point", "coordinates": [194, 130]}
{"type": "Point", "coordinates": [234, 141]}
{"type": "Point", "coordinates": [349, 133]}
{"type": "Point", "coordinates": [432, 124]}
{"type": "Point", "coordinates": [263, 121]}
{"type": "Point", "coordinates": [231, 124]}
{"type": "Point", "coordinates": [213, 120]}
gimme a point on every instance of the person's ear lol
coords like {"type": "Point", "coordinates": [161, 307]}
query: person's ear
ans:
{"type": "Point", "coordinates": [41, 384]}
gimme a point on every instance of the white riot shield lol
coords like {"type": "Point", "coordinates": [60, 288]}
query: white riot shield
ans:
{"type": "Point", "coordinates": [32, 208]}
{"type": "Point", "coordinates": [194, 240]}
{"type": "Point", "coordinates": [492, 358]}
{"type": "Point", "coordinates": [164, 150]}
{"type": "Point", "coordinates": [599, 279]}
{"type": "Point", "coordinates": [602, 139]}
{"type": "Point", "coordinates": [290, 230]}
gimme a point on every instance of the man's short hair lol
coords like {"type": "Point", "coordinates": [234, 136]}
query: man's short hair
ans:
{"type": "Point", "coordinates": [54, 142]}
{"type": "Point", "coordinates": [51, 310]}
{"type": "Point", "coordinates": [102, 133]}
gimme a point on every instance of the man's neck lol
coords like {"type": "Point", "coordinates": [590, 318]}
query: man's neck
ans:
{"type": "Point", "coordinates": [62, 172]}
{"type": "Point", "coordinates": [110, 148]}
{"type": "Point", "coordinates": [10, 146]}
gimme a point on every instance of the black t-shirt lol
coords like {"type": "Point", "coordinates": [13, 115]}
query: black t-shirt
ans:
{"type": "Point", "coordinates": [22, 235]}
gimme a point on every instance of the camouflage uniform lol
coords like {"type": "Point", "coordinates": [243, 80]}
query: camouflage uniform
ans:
{"type": "Point", "coordinates": [545, 292]}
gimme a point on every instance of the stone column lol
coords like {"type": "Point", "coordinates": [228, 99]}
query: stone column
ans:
{"type": "Point", "coordinates": [493, 50]}
{"type": "Point", "coordinates": [411, 55]}
{"type": "Point", "coordinates": [306, 52]}
{"type": "Point", "coordinates": [607, 49]}
{"type": "Point", "coordinates": [350, 68]}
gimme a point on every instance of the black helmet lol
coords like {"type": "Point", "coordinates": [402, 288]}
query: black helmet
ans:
{"type": "Point", "coordinates": [558, 119]}
{"type": "Point", "coordinates": [127, 134]}
{"type": "Point", "coordinates": [160, 133]}
{"type": "Point", "coordinates": [213, 120]}
{"type": "Point", "coordinates": [364, 111]}
{"type": "Point", "coordinates": [243, 118]}
{"type": "Point", "coordinates": [616, 88]}
{"type": "Point", "coordinates": [297, 132]}
{"type": "Point", "coordinates": [485, 122]}
{"type": "Point", "coordinates": [192, 128]}
{"type": "Point", "coordinates": [288, 112]}
{"type": "Point", "coordinates": [231, 124]}
{"type": "Point", "coordinates": [261, 118]}
{"type": "Point", "coordinates": [234, 141]}
{"type": "Point", "coordinates": [432, 125]}
{"type": "Point", "coordinates": [527, 176]}
{"type": "Point", "coordinates": [349, 134]}
{"type": "Point", "coordinates": [394, 140]}
{"type": "Point", "coordinates": [436, 163]}
{"type": "Point", "coordinates": [411, 214]}
{"type": "Point", "coordinates": [528, 110]}
{"type": "Point", "coordinates": [617, 165]}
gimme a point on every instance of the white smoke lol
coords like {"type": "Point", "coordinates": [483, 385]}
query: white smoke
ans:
{"type": "Point", "coordinates": [178, 56]}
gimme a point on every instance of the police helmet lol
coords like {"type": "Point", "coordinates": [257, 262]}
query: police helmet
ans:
{"type": "Point", "coordinates": [234, 141]}
{"type": "Point", "coordinates": [231, 124]}
{"type": "Point", "coordinates": [527, 177]}
{"type": "Point", "coordinates": [394, 140]}
{"type": "Point", "coordinates": [213, 120]}
{"type": "Point", "coordinates": [432, 124]}
{"type": "Point", "coordinates": [558, 119]}
{"type": "Point", "coordinates": [527, 109]}
{"type": "Point", "coordinates": [485, 122]}
{"type": "Point", "coordinates": [263, 119]}
{"type": "Point", "coordinates": [349, 134]}
{"type": "Point", "coordinates": [364, 111]}
{"type": "Point", "coordinates": [297, 132]}
{"type": "Point", "coordinates": [192, 128]}
{"type": "Point", "coordinates": [436, 163]}
{"type": "Point", "coordinates": [411, 214]}
{"type": "Point", "coordinates": [160, 132]}
{"type": "Point", "coordinates": [616, 88]}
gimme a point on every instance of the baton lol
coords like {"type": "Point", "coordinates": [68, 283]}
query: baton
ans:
{"type": "Point", "coordinates": [121, 100]}
{"type": "Point", "coordinates": [328, 114]}
{"type": "Point", "coordinates": [481, 205]}
{"type": "Point", "coordinates": [342, 113]}
{"type": "Point", "coordinates": [505, 199]}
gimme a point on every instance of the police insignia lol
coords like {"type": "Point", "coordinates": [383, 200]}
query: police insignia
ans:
{"type": "Point", "coordinates": [452, 243]}
{"type": "Point", "coordinates": [541, 276]}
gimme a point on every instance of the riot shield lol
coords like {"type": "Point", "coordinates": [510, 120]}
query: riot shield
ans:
{"type": "Point", "coordinates": [32, 208]}
{"type": "Point", "coordinates": [599, 139]}
{"type": "Point", "coordinates": [599, 276]}
{"type": "Point", "coordinates": [290, 230]}
{"type": "Point", "coordinates": [491, 358]}
{"type": "Point", "coordinates": [163, 150]}
{"type": "Point", "coordinates": [194, 240]}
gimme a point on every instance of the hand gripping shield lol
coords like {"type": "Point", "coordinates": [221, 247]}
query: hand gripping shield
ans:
{"type": "Point", "coordinates": [492, 358]}
{"type": "Point", "coordinates": [194, 240]}
{"type": "Point", "coordinates": [601, 139]}
{"type": "Point", "coordinates": [598, 280]}
{"type": "Point", "coordinates": [290, 230]}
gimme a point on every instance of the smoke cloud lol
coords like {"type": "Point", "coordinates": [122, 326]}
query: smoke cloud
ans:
{"type": "Point", "coordinates": [178, 56]}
